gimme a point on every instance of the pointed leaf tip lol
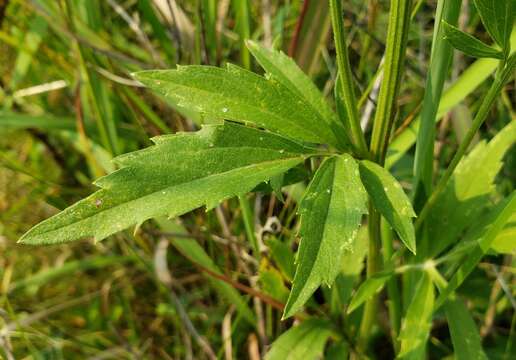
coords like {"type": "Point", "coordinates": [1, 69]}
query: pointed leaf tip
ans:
{"type": "Point", "coordinates": [330, 214]}
{"type": "Point", "coordinates": [390, 200]}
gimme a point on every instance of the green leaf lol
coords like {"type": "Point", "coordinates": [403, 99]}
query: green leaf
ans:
{"type": "Point", "coordinates": [337, 351]}
{"type": "Point", "coordinates": [368, 288]}
{"type": "Point", "coordinates": [465, 84]}
{"type": "Point", "coordinates": [272, 282]}
{"type": "Point", "coordinates": [473, 257]}
{"type": "Point", "coordinates": [69, 268]}
{"type": "Point", "coordinates": [464, 201]}
{"type": "Point", "coordinates": [331, 211]}
{"type": "Point", "coordinates": [180, 173]}
{"type": "Point", "coordinates": [504, 243]}
{"type": "Point", "coordinates": [468, 44]}
{"type": "Point", "coordinates": [390, 200]}
{"type": "Point", "coordinates": [305, 341]}
{"type": "Point", "coordinates": [285, 70]}
{"type": "Point", "coordinates": [417, 323]}
{"type": "Point", "coordinates": [283, 257]}
{"type": "Point", "coordinates": [498, 18]}
{"type": "Point", "coordinates": [465, 337]}
{"type": "Point", "coordinates": [276, 184]}
{"type": "Point", "coordinates": [240, 95]}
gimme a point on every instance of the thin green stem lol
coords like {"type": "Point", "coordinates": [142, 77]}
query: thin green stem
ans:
{"type": "Point", "coordinates": [352, 121]}
{"type": "Point", "coordinates": [399, 20]}
{"type": "Point", "coordinates": [394, 303]}
{"type": "Point", "coordinates": [374, 264]}
{"type": "Point", "coordinates": [241, 10]}
{"type": "Point", "coordinates": [440, 61]}
{"type": "Point", "coordinates": [247, 216]}
{"type": "Point", "coordinates": [500, 79]}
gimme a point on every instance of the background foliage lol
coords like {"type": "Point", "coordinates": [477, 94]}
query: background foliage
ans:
{"type": "Point", "coordinates": [214, 284]}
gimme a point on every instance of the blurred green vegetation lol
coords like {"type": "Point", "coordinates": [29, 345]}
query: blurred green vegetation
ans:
{"type": "Point", "coordinates": [68, 105]}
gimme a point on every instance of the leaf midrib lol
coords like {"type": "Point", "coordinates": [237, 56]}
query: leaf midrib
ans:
{"type": "Point", "coordinates": [260, 109]}
{"type": "Point", "coordinates": [162, 189]}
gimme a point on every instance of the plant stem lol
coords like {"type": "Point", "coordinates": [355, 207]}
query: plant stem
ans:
{"type": "Point", "coordinates": [394, 304]}
{"type": "Point", "coordinates": [243, 27]}
{"type": "Point", "coordinates": [373, 266]}
{"type": "Point", "coordinates": [352, 121]}
{"type": "Point", "coordinates": [440, 61]}
{"type": "Point", "coordinates": [500, 79]}
{"type": "Point", "coordinates": [399, 20]}
{"type": "Point", "coordinates": [247, 216]}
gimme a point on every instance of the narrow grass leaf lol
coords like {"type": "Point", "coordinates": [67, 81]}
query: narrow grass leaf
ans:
{"type": "Point", "coordinates": [240, 95]}
{"type": "Point", "coordinates": [305, 341]}
{"type": "Point", "coordinates": [467, 344]}
{"type": "Point", "coordinates": [180, 173]}
{"type": "Point", "coordinates": [416, 325]}
{"type": "Point", "coordinates": [331, 211]}
{"type": "Point", "coordinates": [368, 288]}
{"type": "Point", "coordinates": [390, 200]}
{"type": "Point", "coordinates": [468, 44]}
{"type": "Point", "coordinates": [69, 268]}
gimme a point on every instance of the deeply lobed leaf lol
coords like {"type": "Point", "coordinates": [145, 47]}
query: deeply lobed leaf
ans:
{"type": "Point", "coordinates": [180, 173]}
{"type": "Point", "coordinates": [330, 214]}
{"type": "Point", "coordinates": [240, 95]}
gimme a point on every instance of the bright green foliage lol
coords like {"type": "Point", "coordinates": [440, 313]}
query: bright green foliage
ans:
{"type": "Point", "coordinates": [180, 173]}
{"type": "Point", "coordinates": [465, 200]}
{"type": "Point", "coordinates": [240, 95]}
{"type": "Point", "coordinates": [283, 69]}
{"type": "Point", "coordinates": [416, 325]}
{"type": "Point", "coordinates": [505, 241]}
{"type": "Point", "coordinates": [441, 57]}
{"type": "Point", "coordinates": [331, 211]}
{"type": "Point", "coordinates": [283, 257]}
{"type": "Point", "coordinates": [390, 200]}
{"type": "Point", "coordinates": [47, 122]}
{"type": "Point", "coordinates": [468, 44]}
{"type": "Point", "coordinates": [472, 258]}
{"type": "Point", "coordinates": [305, 341]}
{"type": "Point", "coordinates": [498, 18]}
{"type": "Point", "coordinates": [464, 333]}
{"type": "Point", "coordinates": [284, 120]}
{"type": "Point", "coordinates": [272, 282]}
{"type": "Point", "coordinates": [368, 288]}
